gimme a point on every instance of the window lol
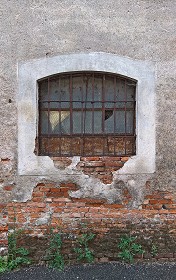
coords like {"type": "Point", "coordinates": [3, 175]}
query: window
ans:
{"type": "Point", "coordinates": [87, 114]}
{"type": "Point", "coordinates": [32, 74]}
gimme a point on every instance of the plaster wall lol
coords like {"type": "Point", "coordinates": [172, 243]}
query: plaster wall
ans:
{"type": "Point", "coordinates": [140, 30]}
{"type": "Point", "coordinates": [37, 30]}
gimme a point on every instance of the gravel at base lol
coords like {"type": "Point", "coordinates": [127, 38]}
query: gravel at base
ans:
{"type": "Point", "coordinates": [109, 271]}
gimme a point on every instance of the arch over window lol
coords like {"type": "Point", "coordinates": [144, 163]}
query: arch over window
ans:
{"type": "Point", "coordinates": [86, 114]}
{"type": "Point", "coordinates": [72, 123]}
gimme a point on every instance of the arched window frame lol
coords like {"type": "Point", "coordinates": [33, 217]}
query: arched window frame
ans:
{"type": "Point", "coordinates": [86, 114]}
{"type": "Point", "coordinates": [30, 72]}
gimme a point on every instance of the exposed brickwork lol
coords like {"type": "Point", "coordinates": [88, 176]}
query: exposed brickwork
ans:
{"type": "Point", "coordinates": [101, 167]}
{"type": "Point", "coordinates": [3, 228]}
{"type": "Point", "coordinates": [61, 162]}
{"type": "Point", "coordinates": [160, 200]}
{"type": "Point", "coordinates": [51, 206]}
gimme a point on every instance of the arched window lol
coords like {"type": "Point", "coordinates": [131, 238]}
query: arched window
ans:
{"type": "Point", "coordinates": [88, 108]}
{"type": "Point", "coordinates": [86, 114]}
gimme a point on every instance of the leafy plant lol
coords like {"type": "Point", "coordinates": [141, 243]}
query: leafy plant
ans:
{"type": "Point", "coordinates": [54, 255]}
{"type": "Point", "coordinates": [154, 250]}
{"type": "Point", "coordinates": [16, 255]}
{"type": "Point", "coordinates": [129, 248]}
{"type": "Point", "coordinates": [83, 251]}
{"type": "Point", "coordinates": [3, 264]}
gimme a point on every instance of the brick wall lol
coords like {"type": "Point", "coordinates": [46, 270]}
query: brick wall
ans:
{"type": "Point", "coordinates": [3, 228]}
{"type": "Point", "coordinates": [51, 206]}
{"type": "Point", "coordinates": [98, 167]}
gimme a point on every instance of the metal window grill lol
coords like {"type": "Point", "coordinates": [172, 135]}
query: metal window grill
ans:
{"type": "Point", "coordinates": [87, 114]}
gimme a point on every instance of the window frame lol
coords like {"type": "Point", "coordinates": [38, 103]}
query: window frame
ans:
{"type": "Point", "coordinates": [31, 71]}
{"type": "Point", "coordinates": [111, 143]}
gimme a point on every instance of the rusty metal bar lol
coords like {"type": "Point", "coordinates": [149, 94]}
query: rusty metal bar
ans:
{"type": "Point", "coordinates": [39, 144]}
{"type": "Point", "coordinates": [125, 114]}
{"type": "Point", "coordinates": [103, 111]}
{"type": "Point", "coordinates": [60, 131]}
{"type": "Point", "coordinates": [48, 112]}
{"type": "Point", "coordinates": [115, 91]}
{"type": "Point", "coordinates": [88, 135]}
{"type": "Point", "coordinates": [93, 81]}
{"type": "Point", "coordinates": [71, 112]}
{"type": "Point", "coordinates": [82, 115]}
{"type": "Point", "coordinates": [88, 109]}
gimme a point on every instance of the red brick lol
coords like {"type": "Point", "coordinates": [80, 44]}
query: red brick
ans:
{"type": "Point", "coordinates": [4, 228]}
{"type": "Point", "coordinates": [41, 194]}
{"type": "Point", "coordinates": [44, 189]}
{"type": "Point", "coordinates": [90, 158]}
{"type": "Point", "coordinates": [124, 159]}
{"type": "Point", "coordinates": [55, 190]}
{"type": "Point", "coordinates": [40, 184]}
{"type": "Point", "coordinates": [53, 194]}
{"type": "Point", "coordinates": [99, 169]}
{"type": "Point", "coordinates": [153, 196]}
{"type": "Point", "coordinates": [4, 242]}
{"type": "Point", "coordinates": [115, 206]}
{"type": "Point", "coordinates": [61, 199]}
{"type": "Point", "coordinates": [153, 201]}
{"type": "Point", "coordinates": [95, 164]}
{"type": "Point", "coordinates": [75, 204]}
{"type": "Point", "coordinates": [48, 199]}
{"type": "Point", "coordinates": [37, 199]}
{"type": "Point", "coordinates": [57, 204]}
{"type": "Point", "coordinates": [113, 164]}
{"type": "Point", "coordinates": [8, 188]}
{"type": "Point", "coordinates": [68, 185]}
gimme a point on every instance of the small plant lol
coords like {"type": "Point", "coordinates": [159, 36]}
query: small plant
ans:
{"type": "Point", "coordinates": [83, 251]}
{"type": "Point", "coordinates": [154, 250]}
{"type": "Point", "coordinates": [54, 255]}
{"type": "Point", "coordinates": [3, 264]}
{"type": "Point", "coordinates": [16, 257]}
{"type": "Point", "coordinates": [129, 248]}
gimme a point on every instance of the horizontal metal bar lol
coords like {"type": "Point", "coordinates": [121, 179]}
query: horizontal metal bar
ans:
{"type": "Point", "coordinates": [87, 135]}
{"type": "Point", "coordinates": [76, 101]}
{"type": "Point", "coordinates": [88, 155]}
{"type": "Point", "coordinates": [87, 109]}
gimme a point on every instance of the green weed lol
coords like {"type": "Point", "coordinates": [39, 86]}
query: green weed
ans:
{"type": "Point", "coordinates": [129, 248]}
{"type": "Point", "coordinates": [83, 251]}
{"type": "Point", "coordinates": [154, 250]}
{"type": "Point", "coordinates": [54, 255]}
{"type": "Point", "coordinates": [16, 257]}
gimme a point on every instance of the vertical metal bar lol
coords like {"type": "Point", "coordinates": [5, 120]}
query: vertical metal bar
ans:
{"type": "Point", "coordinates": [48, 116]}
{"type": "Point", "coordinates": [85, 107]}
{"type": "Point", "coordinates": [125, 113]}
{"type": "Point", "coordinates": [115, 91]}
{"type": "Point", "coordinates": [103, 112]}
{"type": "Point", "coordinates": [40, 138]}
{"type": "Point", "coordinates": [59, 90]}
{"type": "Point", "coordinates": [134, 122]}
{"type": "Point", "coordinates": [71, 112]}
{"type": "Point", "coordinates": [93, 113]}
{"type": "Point", "coordinates": [82, 116]}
